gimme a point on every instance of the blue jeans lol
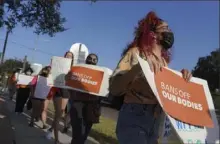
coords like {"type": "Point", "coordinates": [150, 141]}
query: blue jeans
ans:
{"type": "Point", "coordinates": [137, 124]}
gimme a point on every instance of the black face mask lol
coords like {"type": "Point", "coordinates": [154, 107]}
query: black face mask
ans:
{"type": "Point", "coordinates": [90, 62]}
{"type": "Point", "coordinates": [167, 40]}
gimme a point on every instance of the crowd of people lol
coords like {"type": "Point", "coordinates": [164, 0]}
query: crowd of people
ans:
{"type": "Point", "coordinates": [80, 110]}
{"type": "Point", "coordinates": [140, 114]}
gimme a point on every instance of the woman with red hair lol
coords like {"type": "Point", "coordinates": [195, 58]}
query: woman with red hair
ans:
{"type": "Point", "coordinates": [139, 117]}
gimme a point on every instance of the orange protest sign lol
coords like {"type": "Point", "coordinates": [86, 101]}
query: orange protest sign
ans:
{"type": "Point", "coordinates": [85, 79]}
{"type": "Point", "coordinates": [185, 101]}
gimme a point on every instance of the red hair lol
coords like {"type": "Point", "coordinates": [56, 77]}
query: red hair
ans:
{"type": "Point", "coordinates": [144, 37]}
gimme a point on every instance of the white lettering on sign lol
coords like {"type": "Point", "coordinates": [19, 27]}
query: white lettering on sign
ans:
{"type": "Point", "coordinates": [179, 96]}
{"type": "Point", "coordinates": [83, 78]}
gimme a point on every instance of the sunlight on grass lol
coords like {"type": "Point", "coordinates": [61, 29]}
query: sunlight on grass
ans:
{"type": "Point", "coordinates": [103, 132]}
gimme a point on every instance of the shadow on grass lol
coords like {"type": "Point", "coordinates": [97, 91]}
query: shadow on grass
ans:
{"type": "Point", "coordinates": [102, 138]}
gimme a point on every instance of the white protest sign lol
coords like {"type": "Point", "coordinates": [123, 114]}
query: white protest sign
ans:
{"type": "Point", "coordinates": [59, 68]}
{"type": "Point", "coordinates": [42, 89]}
{"type": "Point", "coordinates": [36, 67]}
{"type": "Point", "coordinates": [90, 79]}
{"type": "Point", "coordinates": [23, 79]}
{"type": "Point", "coordinates": [187, 133]}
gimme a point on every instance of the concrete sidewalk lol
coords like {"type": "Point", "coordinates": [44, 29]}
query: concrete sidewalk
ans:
{"type": "Point", "coordinates": [6, 130]}
{"type": "Point", "coordinates": [26, 135]}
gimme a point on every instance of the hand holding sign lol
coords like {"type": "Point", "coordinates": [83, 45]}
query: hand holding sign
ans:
{"type": "Point", "coordinates": [186, 74]}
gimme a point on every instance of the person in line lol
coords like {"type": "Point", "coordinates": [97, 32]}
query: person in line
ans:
{"type": "Point", "coordinates": [23, 93]}
{"type": "Point", "coordinates": [67, 121]}
{"type": "Point", "coordinates": [12, 84]}
{"type": "Point", "coordinates": [139, 116]}
{"type": "Point", "coordinates": [60, 100]}
{"type": "Point", "coordinates": [46, 102]}
{"type": "Point", "coordinates": [85, 109]}
{"type": "Point", "coordinates": [38, 103]}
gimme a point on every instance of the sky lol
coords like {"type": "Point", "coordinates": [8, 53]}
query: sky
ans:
{"type": "Point", "coordinates": [107, 27]}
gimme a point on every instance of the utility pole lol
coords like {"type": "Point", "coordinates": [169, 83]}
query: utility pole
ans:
{"type": "Point", "coordinates": [24, 63]}
{"type": "Point", "coordinates": [218, 60]}
{"type": "Point", "coordinates": [4, 47]}
{"type": "Point", "coordinates": [35, 48]}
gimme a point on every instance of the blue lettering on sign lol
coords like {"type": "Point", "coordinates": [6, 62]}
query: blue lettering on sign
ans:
{"type": "Point", "coordinates": [180, 125]}
{"type": "Point", "coordinates": [166, 134]}
{"type": "Point", "coordinates": [187, 127]}
{"type": "Point", "coordinates": [167, 125]}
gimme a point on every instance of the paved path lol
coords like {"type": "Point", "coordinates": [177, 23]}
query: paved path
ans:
{"type": "Point", "coordinates": [6, 131]}
{"type": "Point", "coordinates": [23, 134]}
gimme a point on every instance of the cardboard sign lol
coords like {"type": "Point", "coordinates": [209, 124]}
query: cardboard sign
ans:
{"type": "Point", "coordinates": [187, 133]}
{"type": "Point", "coordinates": [59, 68]}
{"type": "Point", "coordinates": [42, 89]}
{"type": "Point", "coordinates": [185, 101]}
{"type": "Point", "coordinates": [89, 79]}
{"type": "Point", "coordinates": [86, 79]}
{"type": "Point", "coordinates": [23, 79]}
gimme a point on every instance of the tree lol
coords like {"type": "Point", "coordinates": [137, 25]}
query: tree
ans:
{"type": "Point", "coordinates": [10, 65]}
{"type": "Point", "coordinates": [208, 68]}
{"type": "Point", "coordinates": [43, 15]}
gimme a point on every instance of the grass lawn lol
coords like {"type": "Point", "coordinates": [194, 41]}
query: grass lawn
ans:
{"type": "Point", "coordinates": [103, 132]}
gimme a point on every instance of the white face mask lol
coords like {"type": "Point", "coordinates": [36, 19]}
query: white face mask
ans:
{"type": "Point", "coordinates": [28, 73]}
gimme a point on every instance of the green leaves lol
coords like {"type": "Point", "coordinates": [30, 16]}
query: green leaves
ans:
{"type": "Point", "coordinates": [43, 15]}
{"type": "Point", "coordinates": [11, 64]}
{"type": "Point", "coordinates": [208, 69]}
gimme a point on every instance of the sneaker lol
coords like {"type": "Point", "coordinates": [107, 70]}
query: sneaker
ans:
{"type": "Point", "coordinates": [49, 135]}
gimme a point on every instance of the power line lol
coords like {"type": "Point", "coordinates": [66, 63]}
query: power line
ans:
{"type": "Point", "coordinates": [32, 49]}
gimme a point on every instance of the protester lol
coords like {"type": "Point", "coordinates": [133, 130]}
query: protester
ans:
{"type": "Point", "coordinates": [60, 100]}
{"type": "Point", "coordinates": [139, 117]}
{"type": "Point", "coordinates": [67, 121]}
{"type": "Point", "coordinates": [85, 110]}
{"type": "Point", "coordinates": [38, 103]}
{"type": "Point", "coordinates": [12, 84]}
{"type": "Point", "coordinates": [23, 93]}
{"type": "Point", "coordinates": [46, 102]}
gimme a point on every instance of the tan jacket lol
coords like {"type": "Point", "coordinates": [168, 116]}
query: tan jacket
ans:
{"type": "Point", "coordinates": [128, 79]}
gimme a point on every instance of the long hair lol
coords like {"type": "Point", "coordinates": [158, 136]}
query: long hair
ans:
{"type": "Point", "coordinates": [44, 68]}
{"type": "Point", "coordinates": [143, 36]}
